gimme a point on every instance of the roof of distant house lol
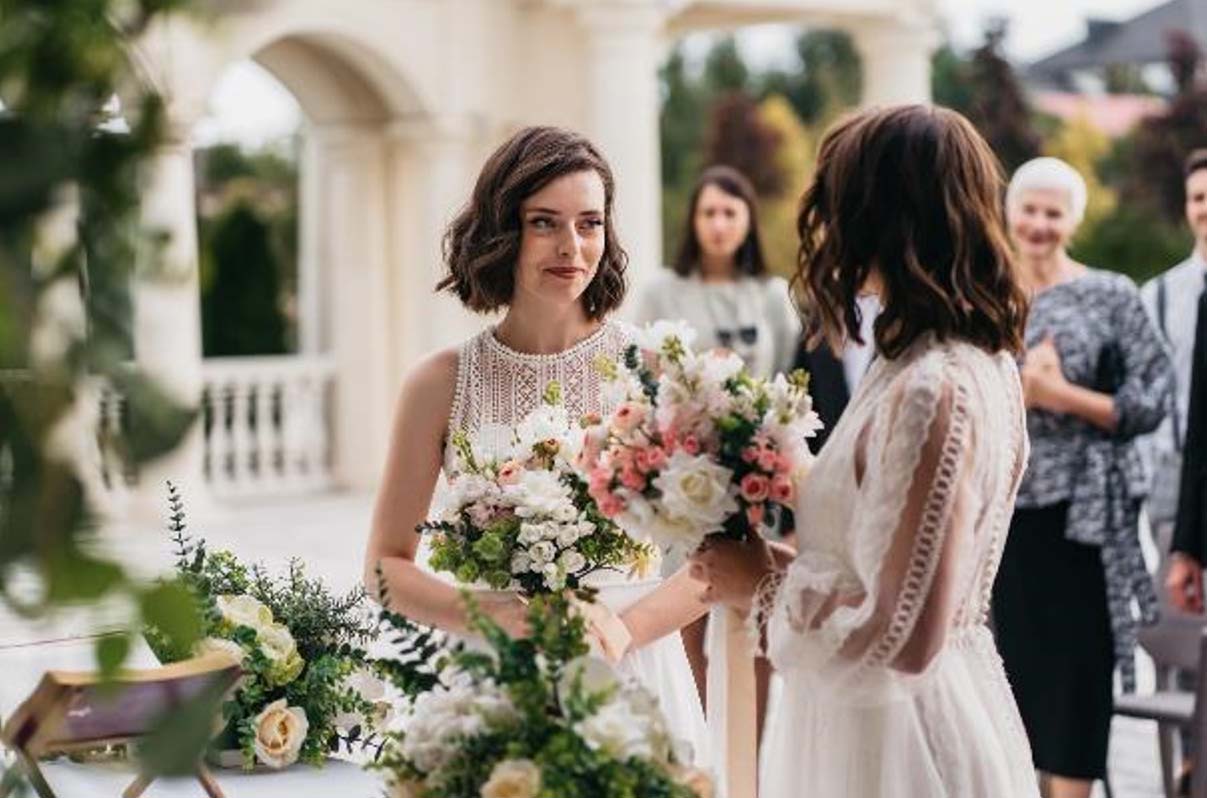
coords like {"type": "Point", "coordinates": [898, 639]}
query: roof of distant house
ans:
{"type": "Point", "coordinates": [1113, 114]}
{"type": "Point", "coordinates": [1139, 40]}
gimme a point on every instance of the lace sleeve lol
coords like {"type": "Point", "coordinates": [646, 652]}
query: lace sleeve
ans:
{"type": "Point", "coordinates": [868, 620]}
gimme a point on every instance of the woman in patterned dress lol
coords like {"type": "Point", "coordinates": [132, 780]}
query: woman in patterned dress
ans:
{"type": "Point", "coordinates": [535, 240]}
{"type": "Point", "coordinates": [1096, 375]}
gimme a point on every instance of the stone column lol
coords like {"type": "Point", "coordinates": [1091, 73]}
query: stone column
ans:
{"type": "Point", "coordinates": [167, 318]}
{"type": "Point", "coordinates": [433, 162]}
{"type": "Point", "coordinates": [349, 271]}
{"type": "Point", "coordinates": [623, 48]}
{"type": "Point", "coordinates": [896, 60]}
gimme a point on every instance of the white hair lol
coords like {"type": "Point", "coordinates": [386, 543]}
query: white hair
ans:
{"type": "Point", "coordinates": [1051, 174]}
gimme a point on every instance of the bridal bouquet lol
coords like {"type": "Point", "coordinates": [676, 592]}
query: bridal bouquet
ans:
{"type": "Point", "coordinates": [308, 686]}
{"type": "Point", "coordinates": [526, 522]}
{"type": "Point", "coordinates": [696, 446]}
{"type": "Point", "coordinates": [526, 718]}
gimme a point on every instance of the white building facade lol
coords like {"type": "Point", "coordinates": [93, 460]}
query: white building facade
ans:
{"type": "Point", "coordinates": [403, 100]}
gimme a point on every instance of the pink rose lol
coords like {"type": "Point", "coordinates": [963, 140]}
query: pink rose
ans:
{"type": "Point", "coordinates": [691, 444]}
{"type": "Point", "coordinates": [632, 479]}
{"type": "Point", "coordinates": [783, 490]}
{"type": "Point", "coordinates": [657, 458]}
{"type": "Point", "coordinates": [628, 416]}
{"type": "Point", "coordinates": [750, 454]}
{"type": "Point", "coordinates": [767, 459]}
{"type": "Point", "coordinates": [599, 479]}
{"type": "Point", "coordinates": [610, 505]}
{"type": "Point", "coordinates": [754, 515]}
{"type": "Point", "coordinates": [510, 472]}
{"type": "Point", "coordinates": [755, 488]}
{"type": "Point", "coordinates": [642, 460]}
{"type": "Point", "coordinates": [783, 463]}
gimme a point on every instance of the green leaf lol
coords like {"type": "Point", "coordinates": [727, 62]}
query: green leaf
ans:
{"type": "Point", "coordinates": [111, 652]}
{"type": "Point", "coordinates": [172, 610]}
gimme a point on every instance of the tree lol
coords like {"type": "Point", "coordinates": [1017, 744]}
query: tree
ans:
{"type": "Point", "coordinates": [241, 310]}
{"type": "Point", "coordinates": [830, 77]}
{"type": "Point", "coordinates": [724, 69]}
{"type": "Point", "coordinates": [739, 137]}
{"type": "Point", "coordinates": [999, 107]}
{"type": "Point", "coordinates": [1162, 142]}
{"type": "Point", "coordinates": [683, 104]}
{"type": "Point", "coordinates": [795, 156]}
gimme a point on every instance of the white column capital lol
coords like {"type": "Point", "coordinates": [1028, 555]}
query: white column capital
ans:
{"type": "Point", "coordinates": [896, 58]}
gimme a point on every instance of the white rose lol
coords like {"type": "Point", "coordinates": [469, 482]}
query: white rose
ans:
{"type": "Point", "coordinates": [569, 534]}
{"type": "Point", "coordinates": [545, 423]}
{"type": "Point", "coordinates": [531, 533]}
{"type": "Point", "coordinates": [554, 576]}
{"type": "Point", "coordinates": [539, 493]}
{"type": "Point", "coordinates": [542, 553]}
{"type": "Point", "coordinates": [571, 561]}
{"type": "Point", "coordinates": [280, 731]}
{"type": "Point", "coordinates": [696, 490]}
{"type": "Point", "coordinates": [244, 610]}
{"type": "Point", "coordinates": [513, 778]}
{"type": "Point", "coordinates": [521, 563]}
{"type": "Point", "coordinates": [615, 730]}
{"type": "Point", "coordinates": [219, 645]}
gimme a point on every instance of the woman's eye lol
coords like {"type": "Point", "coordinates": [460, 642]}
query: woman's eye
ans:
{"type": "Point", "coordinates": [541, 222]}
{"type": "Point", "coordinates": [591, 224]}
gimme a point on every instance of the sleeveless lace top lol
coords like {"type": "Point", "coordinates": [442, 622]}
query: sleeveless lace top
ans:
{"type": "Point", "coordinates": [497, 386]}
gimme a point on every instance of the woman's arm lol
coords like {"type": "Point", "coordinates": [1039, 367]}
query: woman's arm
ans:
{"type": "Point", "coordinates": [668, 608]}
{"type": "Point", "coordinates": [412, 468]}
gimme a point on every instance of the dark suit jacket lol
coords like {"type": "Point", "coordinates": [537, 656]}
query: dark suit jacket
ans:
{"type": "Point", "coordinates": [827, 385]}
{"type": "Point", "coordinates": [1190, 532]}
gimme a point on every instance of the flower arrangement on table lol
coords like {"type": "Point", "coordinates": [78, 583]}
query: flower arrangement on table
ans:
{"type": "Point", "coordinates": [696, 445]}
{"type": "Point", "coordinates": [527, 718]}
{"type": "Point", "coordinates": [308, 687]}
{"type": "Point", "coordinates": [526, 521]}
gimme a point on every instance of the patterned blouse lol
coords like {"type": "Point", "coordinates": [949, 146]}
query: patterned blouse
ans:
{"type": "Point", "coordinates": [1107, 343]}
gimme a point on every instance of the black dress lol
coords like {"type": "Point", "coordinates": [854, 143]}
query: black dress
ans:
{"type": "Point", "coordinates": [1072, 568]}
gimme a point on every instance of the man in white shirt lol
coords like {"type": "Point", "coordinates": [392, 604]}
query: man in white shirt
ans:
{"type": "Point", "coordinates": [1173, 301]}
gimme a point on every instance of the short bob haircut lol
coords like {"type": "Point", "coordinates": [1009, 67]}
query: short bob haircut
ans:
{"type": "Point", "coordinates": [914, 193]}
{"type": "Point", "coordinates": [1194, 162]}
{"type": "Point", "coordinates": [749, 257]}
{"type": "Point", "coordinates": [482, 244]}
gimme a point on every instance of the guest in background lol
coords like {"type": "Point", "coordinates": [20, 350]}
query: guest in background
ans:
{"type": "Point", "coordinates": [1096, 375]}
{"type": "Point", "coordinates": [720, 283]}
{"type": "Point", "coordinates": [721, 286]}
{"type": "Point", "coordinates": [1178, 300]}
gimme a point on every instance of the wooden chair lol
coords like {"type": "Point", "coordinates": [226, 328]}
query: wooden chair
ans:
{"type": "Point", "coordinates": [1178, 642]}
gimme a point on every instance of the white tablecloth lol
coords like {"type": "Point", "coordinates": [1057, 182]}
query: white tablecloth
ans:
{"type": "Point", "coordinates": [336, 779]}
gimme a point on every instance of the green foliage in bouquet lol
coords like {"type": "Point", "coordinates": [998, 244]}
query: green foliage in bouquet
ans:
{"type": "Point", "coordinates": [302, 649]}
{"type": "Point", "coordinates": [528, 717]}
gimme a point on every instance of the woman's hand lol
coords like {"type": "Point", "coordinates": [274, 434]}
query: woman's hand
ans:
{"type": "Point", "coordinates": [1042, 377]}
{"type": "Point", "coordinates": [507, 610]}
{"type": "Point", "coordinates": [733, 569]}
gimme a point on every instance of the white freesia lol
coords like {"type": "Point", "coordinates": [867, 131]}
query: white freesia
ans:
{"type": "Point", "coordinates": [547, 422]}
{"type": "Point", "coordinates": [513, 778]}
{"type": "Point", "coordinates": [695, 490]}
{"type": "Point", "coordinates": [243, 610]}
{"type": "Point", "coordinates": [280, 731]}
{"type": "Point", "coordinates": [539, 493]}
{"type": "Point", "coordinates": [654, 337]}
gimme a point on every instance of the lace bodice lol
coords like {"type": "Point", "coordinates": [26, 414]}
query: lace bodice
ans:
{"type": "Point", "coordinates": [497, 386]}
{"type": "Point", "coordinates": [902, 520]}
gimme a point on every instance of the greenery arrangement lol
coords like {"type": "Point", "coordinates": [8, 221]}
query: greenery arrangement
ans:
{"type": "Point", "coordinates": [526, 718]}
{"type": "Point", "coordinates": [309, 687]}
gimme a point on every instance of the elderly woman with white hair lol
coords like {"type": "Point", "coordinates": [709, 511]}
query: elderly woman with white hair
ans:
{"type": "Point", "coordinates": [1096, 375]}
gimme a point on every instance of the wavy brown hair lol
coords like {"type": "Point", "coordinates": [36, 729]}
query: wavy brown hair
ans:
{"type": "Point", "coordinates": [915, 194]}
{"type": "Point", "coordinates": [749, 257]}
{"type": "Point", "coordinates": [482, 244]}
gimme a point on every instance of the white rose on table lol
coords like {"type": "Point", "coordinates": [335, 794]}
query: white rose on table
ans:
{"type": "Point", "coordinates": [243, 610]}
{"type": "Point", "coordinates": [513, 778]}
{"type": "Point", "coordinates": [219, 645]}
{"type": "Point", "coordinates": [280, 732]}
{"type": "Point", "coordinates": [695, 490]}
{"type": "Point", "coordinates": [282, 650]}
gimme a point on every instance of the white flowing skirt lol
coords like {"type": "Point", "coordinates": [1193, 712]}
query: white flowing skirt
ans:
{"type": "Point", "coordinates": [954, 734]}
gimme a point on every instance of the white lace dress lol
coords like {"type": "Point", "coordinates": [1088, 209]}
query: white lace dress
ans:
{"type": "Point", "coordinates": [893, 687]}
{"type": "Point", "coordinates": [496, 387]}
